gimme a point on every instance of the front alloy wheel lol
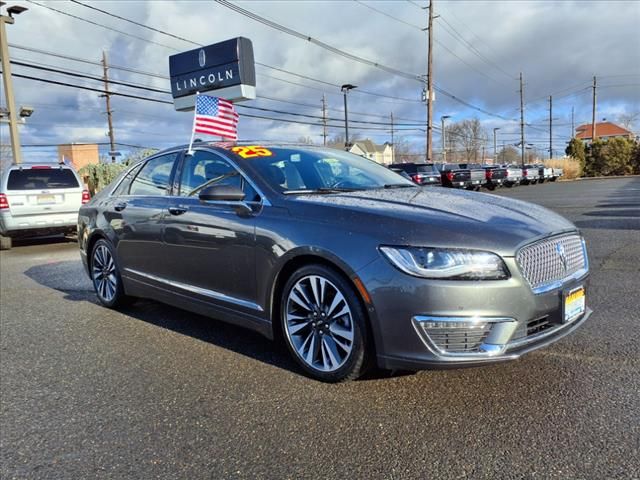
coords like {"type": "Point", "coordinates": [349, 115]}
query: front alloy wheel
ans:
{"type": "Point", "coordinates": [105, 275]}
{"type": "Point", "coordinates": [324, 324]}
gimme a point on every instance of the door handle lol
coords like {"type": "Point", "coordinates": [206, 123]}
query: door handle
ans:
{"type": "Point", "coordinates": [177, 210]}
{"type": "Point", "coordinates": [118, 207]}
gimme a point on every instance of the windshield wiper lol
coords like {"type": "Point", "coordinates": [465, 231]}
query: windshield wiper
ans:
{"type": "Point", "coordinates": [398, 185]}
{"type": "Point", "coordinates": [321, 190]}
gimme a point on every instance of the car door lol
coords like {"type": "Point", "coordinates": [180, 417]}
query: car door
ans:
{"type": "Point", "coordinates": [135, 213]}
{"type": "Point", "coordinates": [211, 245]}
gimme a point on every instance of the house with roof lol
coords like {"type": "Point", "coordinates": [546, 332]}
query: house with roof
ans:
{"type": "Point", "coordinates": [604, 131]}
{"type": "Point", "coordinates": [378, 153]}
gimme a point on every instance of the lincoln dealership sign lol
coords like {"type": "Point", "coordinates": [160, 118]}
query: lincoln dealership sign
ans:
{"type": "Point", "coordinates": [224, 69]}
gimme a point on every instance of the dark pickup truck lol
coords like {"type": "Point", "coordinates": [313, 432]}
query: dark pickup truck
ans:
{"type": "Point", "coordinates": [495, 176]}
{"type": "Point", "coordinates": [462, 175]}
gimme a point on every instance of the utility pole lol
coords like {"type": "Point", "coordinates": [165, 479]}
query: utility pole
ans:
{"type": "Point", "coordinates": [393, 145]}
{"type": "Point", "coordinates": [495, 144]}
{"type": "Point", "coordinates": [107, 97]}
{"type": "Point", "coordinates": [521, 121]}
{"type": "Point", "coordinates": [324, 120]}
{"type": "Point", "coordinates": [8, 83]}
{"type": "Point", "coordinates": [430, 81]}
{"type": "Point", "coordinates": [550, 127]}
{"type": "Point", "coordinates": [593, 117]}
{"type": "Point", "coordinates": [573, 128]}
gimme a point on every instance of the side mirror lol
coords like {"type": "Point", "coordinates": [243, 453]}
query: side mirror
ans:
{"type": "Point", "coordinates": [227, 193]}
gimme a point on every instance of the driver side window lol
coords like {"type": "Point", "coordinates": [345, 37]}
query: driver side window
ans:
{"type": "Point", "coordinates": [204, 169]}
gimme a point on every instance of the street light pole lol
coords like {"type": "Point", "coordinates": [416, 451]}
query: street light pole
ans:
{"type": "Point", "coordinates": [495, 144]}
{"type": "Point", "coordinates": [345, 89]}
{"type": "Point", "coordinates": [8, 83]}
{"type": "Point", "coordinates": [444, 138]}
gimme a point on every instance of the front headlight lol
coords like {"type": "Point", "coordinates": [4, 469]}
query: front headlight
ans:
{"type": "Point", "coordinates": [451, 264]}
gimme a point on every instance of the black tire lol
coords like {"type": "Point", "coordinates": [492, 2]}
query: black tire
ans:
{"type": "Point", "coordinates": [109, 298]}
{"type": "Point", "coordinates": [355, 363]}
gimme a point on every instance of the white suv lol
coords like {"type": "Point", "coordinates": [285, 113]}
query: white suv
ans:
{"type": "Point", "coordinates": [39, 200]}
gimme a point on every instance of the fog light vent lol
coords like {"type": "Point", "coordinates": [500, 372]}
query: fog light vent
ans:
{"type": "Point", "coordinates": [467, 338]}
{"type": "Point", "coordinates": [457, 337]}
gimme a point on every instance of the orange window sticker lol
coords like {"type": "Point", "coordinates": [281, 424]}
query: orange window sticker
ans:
{"type": "Point", "coordinates": [252, 151]}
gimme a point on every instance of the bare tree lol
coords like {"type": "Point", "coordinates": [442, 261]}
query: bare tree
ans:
{"type": "Point", "coordinates": [404, 152]}
{"type": "Point", "coordinates": [628, 120]}
{"type": "Point", "coordinates": [465, 140]}
{"type": "Point", "coordinates": [337, 141]}
{"type": "Point", "coordinates": [508, 155]}
{"type": "Point", "coordinates": [305, 140]}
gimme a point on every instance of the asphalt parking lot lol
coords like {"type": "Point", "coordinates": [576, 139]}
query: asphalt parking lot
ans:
{"type": "Point", "coordinates": [155, 392]}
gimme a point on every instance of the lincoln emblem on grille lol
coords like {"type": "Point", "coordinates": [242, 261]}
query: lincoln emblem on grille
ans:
{"type": "Point", "coordinates": [562, 255]}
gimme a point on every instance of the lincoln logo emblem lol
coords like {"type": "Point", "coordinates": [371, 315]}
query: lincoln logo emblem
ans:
{"type": "Point", "coordinates": [562, 255]}
{"type": "Point", "coordinates": [202, 59]}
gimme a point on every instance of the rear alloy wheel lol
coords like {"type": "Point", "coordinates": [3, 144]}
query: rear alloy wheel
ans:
{"type": "Point", "coordinates": [324, 325]}
{"type": "Point", "coordinates": [105, 275]}
{"type": "Point", "coordinates": [5, 243]}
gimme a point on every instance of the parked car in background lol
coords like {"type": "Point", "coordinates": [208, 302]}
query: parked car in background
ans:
{"type": "Point", "coordinates": [530, 175]}
{"type": "Point", "coordinates": [461, 175]}
{"type": "Point", "coordinates": [494, 175]}
{"type": "Point", "coordinates": [346, 262]}
{"type": "Point", "coordinates": [514, 175]}
{"type": "Point", "coordinates": [420, 173]}
{"type": "Point", "coordinates": [39, 200]}
{"type": "Point", "coordinates": [544, 173]}
{"type": "Point", "coordinates": [557, 173]}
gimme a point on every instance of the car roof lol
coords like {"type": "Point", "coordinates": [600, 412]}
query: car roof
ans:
{"type": "Point", "coordinates": [22, 166]}
{"type": "Point", "coordinates": [226, 146]}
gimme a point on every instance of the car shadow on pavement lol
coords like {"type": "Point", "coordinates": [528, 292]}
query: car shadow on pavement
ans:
{"type": "Point", "coordinates": [69, 278]}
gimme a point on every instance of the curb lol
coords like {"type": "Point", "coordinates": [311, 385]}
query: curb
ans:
{"type": "Point", "coordinates": [607, 178]}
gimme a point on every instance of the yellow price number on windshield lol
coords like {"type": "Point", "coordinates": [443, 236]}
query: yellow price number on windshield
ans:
{"type": "Point", "coordinates": [252, 151]}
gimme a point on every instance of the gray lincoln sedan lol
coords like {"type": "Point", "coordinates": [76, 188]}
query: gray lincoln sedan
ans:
{"type": "Point", "coordinates": [347, 262]}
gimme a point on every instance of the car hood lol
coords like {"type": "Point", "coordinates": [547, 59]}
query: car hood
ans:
{"type": "Point", "coordinates": [445, 217]}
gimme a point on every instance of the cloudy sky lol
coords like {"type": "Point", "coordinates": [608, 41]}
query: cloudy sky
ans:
{"type": "Point", "coordinates": [480, 48]}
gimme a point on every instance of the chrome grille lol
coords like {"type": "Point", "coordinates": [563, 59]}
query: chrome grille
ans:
{"type": "Point", "coordinates": [552, 260]}
{"type": "Point", "coordinates": [458, 340]}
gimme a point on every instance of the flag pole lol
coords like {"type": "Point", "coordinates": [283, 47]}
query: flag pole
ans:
{"type": "Point", "coordinates": [193, 127]}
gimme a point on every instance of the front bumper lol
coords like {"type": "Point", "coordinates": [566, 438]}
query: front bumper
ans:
{"type": "Point", "coordinates": [400, 303]}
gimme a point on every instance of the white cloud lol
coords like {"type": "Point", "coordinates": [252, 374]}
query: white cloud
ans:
{"type": "Point", "coordinates": [555, 44]}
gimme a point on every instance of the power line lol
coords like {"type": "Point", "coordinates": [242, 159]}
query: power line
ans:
{"type": "Point", "coordinates": [319, 43]}
{"type": "Point", "coordinates": [360, 91]}
{"type": "Point", "coordinates": [100, 25]}
{"type": "Point", "coordinates": [472, 47]}
{"type": "Point", "coordinates": [137, 97]}
{"type": "Point", "coordinates": [151, 89]}
{"type": "Point", "coordinates": [390, 16]}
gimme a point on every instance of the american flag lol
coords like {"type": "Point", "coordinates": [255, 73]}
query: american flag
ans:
{"type": "Point", "coordinates": [216, 116]}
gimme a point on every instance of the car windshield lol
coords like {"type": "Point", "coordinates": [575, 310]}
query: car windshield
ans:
{"type": "Point", "coordinates": [300, 170]}
{"type": "Point", "coordinates": [427, 169]}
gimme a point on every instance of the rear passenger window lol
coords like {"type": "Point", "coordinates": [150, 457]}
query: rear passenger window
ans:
{"type": "Point", "coordinates": [43, 178]}
{"type": "Point", "coordinates": [123, 186]}
{"type": "Point", "coordinates": [154, 176]}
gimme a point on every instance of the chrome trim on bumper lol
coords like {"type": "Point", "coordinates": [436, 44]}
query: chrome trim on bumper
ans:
{"type": "Point", "coordinates": [498, 352]}
{"type": "Point", "coordinates": [198, 290]}
{"type": "Point", "coordinates": [500, 333]}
